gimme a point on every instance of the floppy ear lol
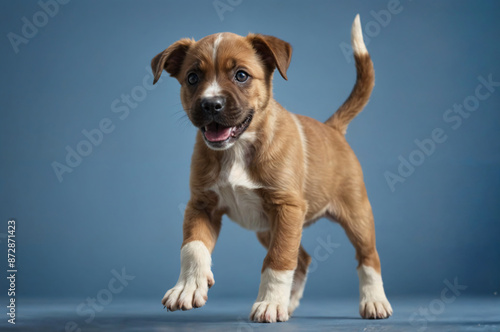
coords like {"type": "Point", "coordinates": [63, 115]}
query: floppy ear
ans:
{"type": "Point", "coordinates": [171, 59]}
{"type": "Point", "coordinates": [274, 52]}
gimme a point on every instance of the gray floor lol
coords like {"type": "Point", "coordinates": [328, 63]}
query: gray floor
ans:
{"type": "Point", "coordinates": [411, 314]}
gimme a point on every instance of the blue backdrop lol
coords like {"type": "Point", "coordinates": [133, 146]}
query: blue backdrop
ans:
{"type": "Point", "coordinates": [95, 161]}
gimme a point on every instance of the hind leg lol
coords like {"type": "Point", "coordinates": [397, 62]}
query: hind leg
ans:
{"type": "Point", "coordinates": [357, 221]}
{"type": "Point", "coordinates": [299, 280]}
{"type": "Point", "coordinates": [300, 274]}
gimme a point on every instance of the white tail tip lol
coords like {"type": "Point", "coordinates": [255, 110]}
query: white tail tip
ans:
{"type": "Point", "coordinates": [357, 42]}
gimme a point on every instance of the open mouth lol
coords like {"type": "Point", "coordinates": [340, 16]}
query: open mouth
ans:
{"type": "Point", "coordinates": [218, 135]}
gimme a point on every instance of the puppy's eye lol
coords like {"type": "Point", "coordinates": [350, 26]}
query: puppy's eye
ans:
{"type": "Point", "coordinates": [193, 79]}
{"type": "Point", "coordinates": [241, 76]}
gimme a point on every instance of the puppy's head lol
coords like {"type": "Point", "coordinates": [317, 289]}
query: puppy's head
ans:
{"type": "Point", "coordinates": [226, 81]}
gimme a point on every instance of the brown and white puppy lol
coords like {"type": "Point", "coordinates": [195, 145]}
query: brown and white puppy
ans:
{"type": "Point", "coordinates": [269, 170]}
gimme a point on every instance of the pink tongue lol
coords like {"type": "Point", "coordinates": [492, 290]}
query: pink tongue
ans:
{"type": "Point", "coordinates": [216, 132]}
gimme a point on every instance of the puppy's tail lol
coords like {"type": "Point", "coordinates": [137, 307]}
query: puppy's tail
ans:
{"type": "Point", "coordinates": [365, 81]}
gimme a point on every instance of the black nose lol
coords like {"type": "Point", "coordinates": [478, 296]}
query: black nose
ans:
{"type": "Point", "coordinates": [213, 104]}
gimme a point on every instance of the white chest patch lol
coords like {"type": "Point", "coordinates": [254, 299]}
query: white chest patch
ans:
{"type": "Point", "coordinates": [237, 191]}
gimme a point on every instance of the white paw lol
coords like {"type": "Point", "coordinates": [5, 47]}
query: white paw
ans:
{"type": "Point", "coordinates": [190, 292]}
{"type": "Point", "coordinates": [268, 312]}
{"type": "Point", "coordinates": [373, 303]}
{"type": "Point", "coordinates": [274, 297]}
{"type": "Point", "coordinates": [195, 279]}
{"type": "Point", "coordinates": [375, 309]}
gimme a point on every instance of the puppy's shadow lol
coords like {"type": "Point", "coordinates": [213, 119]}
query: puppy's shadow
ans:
{"type": "Point", "coordinates": [139, 320]}
{"type": "Point", "coordinates": [328, 317]}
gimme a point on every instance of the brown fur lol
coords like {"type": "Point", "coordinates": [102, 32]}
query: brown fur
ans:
{"type": "Point", "coordinates": [359, 96]}
{"type": "Point", "coordinates": [298, 186]}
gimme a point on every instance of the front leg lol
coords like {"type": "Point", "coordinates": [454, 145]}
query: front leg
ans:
{"type": "Point", "coordinates": [200, 234]}
{"type": "Point", "coordinates": [280, 263]}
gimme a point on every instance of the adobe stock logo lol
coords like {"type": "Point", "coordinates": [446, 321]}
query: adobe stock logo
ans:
{"type": "Point", "coordinates": [89, 308]}
{"type": "Point", "coordinates": [30, 27]}
{"type": "Point", "coordinates": [429, 313]}
{"type": "Point", "coordinates": [225, 6]}
{"type": "Point", "coordinates": [122, 108]}
{"type": "Point", "coordinates": [453, 117]}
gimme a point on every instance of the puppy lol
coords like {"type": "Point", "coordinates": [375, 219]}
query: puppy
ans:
{"type": "Point", "coordinates": [271, 171]}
